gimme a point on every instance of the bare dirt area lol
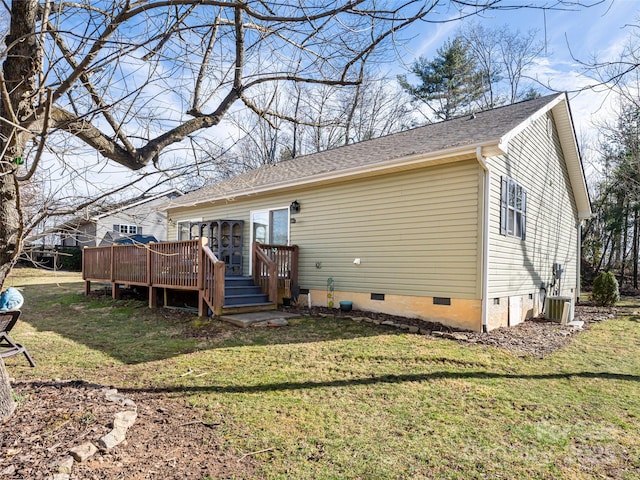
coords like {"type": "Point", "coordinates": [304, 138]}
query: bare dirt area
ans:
{"type": "Point", "coordinates": [169, 439]}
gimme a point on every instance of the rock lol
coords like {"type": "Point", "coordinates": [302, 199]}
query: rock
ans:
{"type": "Point", "coordinates": [60, 476]}
{"type": "Point", "coordinates": [576, 324]}
{"type": "Point", "coordinates": [10, 470]}
{"type": "Point", "coordinates": [388, 323]}
{"type": "Point", "coordinates": [124, 419]}
{"type": "Point", "coordinates": [83, 452]}
{"type": "Point", "coordinates": [402, 326]}
{"type": "Point", "coordinates": [278, 322]}
{"type": "Point", "coordinates": [436, 333]}
{"type": "Point", "coordinates": [112, 439]}
{"type": "Point", "coordinates": [63, 465]}
{"type": "Point", "coordinates": [424, 331]}
{"type": "Point", "coordinates": [413, 329]}
{"type": "Point", "coordinates": [112, 395]}
{"type": "Point", "coordinates": [458, 336]}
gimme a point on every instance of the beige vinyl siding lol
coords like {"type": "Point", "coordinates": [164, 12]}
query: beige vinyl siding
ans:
{"type": "Point", "coordinates": [415, 232]}
{"type": "Point", "coordinates": [518, 267]}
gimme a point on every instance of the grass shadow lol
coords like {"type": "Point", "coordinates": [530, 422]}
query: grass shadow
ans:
{"type": "Point", "coordinates": [130, 332]}
{"type": "Point", "coordinates": [383, 379]}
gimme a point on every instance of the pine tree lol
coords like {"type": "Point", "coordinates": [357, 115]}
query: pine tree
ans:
{"type": "Point", "coordinates": [451, 83]}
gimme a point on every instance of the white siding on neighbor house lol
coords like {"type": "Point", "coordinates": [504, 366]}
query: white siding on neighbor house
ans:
{"type": "Point", "coordinates": [83, 236]}
{"type": "Point", "coordinates": [520, 267]}
{"type": "Point", "coordinates": [146, 215]}
{"type": "Point", "coordinates": [415, 232]}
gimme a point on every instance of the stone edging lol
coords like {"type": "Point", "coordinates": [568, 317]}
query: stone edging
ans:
{"type": "Point", "coordinates": [121, 423]}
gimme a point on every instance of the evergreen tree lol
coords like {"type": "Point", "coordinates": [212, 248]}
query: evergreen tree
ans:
{"type": "Point", "coordinates": [450, 84]}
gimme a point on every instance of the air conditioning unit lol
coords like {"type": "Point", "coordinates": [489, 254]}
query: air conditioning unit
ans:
{"type": "Point", "coordinates": [559, 309]}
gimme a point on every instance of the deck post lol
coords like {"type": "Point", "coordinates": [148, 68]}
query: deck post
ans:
{"type": "Point", "coordinates": [202, 305]}
{"type": "Point", "coordinates": [201, 244]}
{"type": "Point", "coordinates": [115, 290]}
{"type": "Point", "coordinates": [87, 287]}
{"type": "Point", "coordinates": [153, 297]}
{"type": "Point", "coordinates": [149, 259]}
{"type": "Point", "coordinates": [294, 265]}
{"type": "Point", "coordinates": [273, 282]}
{"type": "Point", "coordinates": [218, 287]}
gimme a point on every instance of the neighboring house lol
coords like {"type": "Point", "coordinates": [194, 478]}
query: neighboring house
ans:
{"type": "Point", "coordinates": [141, 217]}
{"type": "Point", "coordinates": [469, 222]}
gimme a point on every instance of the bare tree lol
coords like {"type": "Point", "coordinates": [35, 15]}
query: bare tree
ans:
{"type": "Point", "coordinates": [136, 80]}
{"type": "Point", "coordinates": [503, 56]}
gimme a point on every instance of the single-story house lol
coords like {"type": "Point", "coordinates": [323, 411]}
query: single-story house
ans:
{"type": "Point", "coordinates": [140, 216]}
{"type": "Point", "coordinates": [471, 222]}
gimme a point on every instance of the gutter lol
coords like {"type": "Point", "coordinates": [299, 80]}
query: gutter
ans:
{"type": "Point", "coordinates": [485, 238]}
{"type": "Point", "coordinates": [403, 163]}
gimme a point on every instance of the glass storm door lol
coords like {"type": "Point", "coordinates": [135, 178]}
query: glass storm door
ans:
{"type": "Point", "coordinates": [270, 226]}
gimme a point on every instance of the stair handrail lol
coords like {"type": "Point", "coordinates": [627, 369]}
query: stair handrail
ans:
{"type": "Point", "coordinates": [210, 279]}
{"type": "Point", "coordinates": [263, 265]}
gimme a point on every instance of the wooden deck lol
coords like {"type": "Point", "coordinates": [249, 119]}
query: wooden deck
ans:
{"type": "Point", "coordinates": [186, 265]}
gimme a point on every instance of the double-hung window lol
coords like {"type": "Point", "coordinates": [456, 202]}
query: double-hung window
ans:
{"type": "Point", "coordinates": [513, 209]}
{"type": "Point", "coordinates": [127, 229]}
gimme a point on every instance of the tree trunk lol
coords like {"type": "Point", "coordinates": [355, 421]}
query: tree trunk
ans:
{"type": "Point", "coordinates": [624, 246]}
{"type": "Point", "coordinates": [7, 405]}
{"type": "Point", "coordinates": [635, 248]}
{"type": "Point", "coordinates": [20, 72]}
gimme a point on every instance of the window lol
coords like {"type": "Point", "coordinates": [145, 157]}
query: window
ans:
{"type": "Point", "coordinates": [513, 211]}
{"type": "Point", "coordinates": [270, 226]}
{"type": "Point", "coordinates": [128, 229]}
{"type": "Point", "coordinates": [186, 228]}
{"type": "Point", "coordinates": [183, 230]}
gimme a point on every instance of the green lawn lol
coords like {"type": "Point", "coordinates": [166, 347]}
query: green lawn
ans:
{"type": "Point", "coordinates": [336, 399]}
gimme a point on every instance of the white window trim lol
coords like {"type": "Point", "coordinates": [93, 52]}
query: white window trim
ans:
{"type": "Point", "coordinates": [506, 208]}
{"type": "Point", "coordinates": [189, 220]}
{"type": "Point", "coordinates": [267, 210]}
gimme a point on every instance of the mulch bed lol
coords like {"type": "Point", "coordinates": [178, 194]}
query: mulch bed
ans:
{"type": "Point", "coordinates": [169, 440]}
{"type": "Point", "coordinates": [537, 337]}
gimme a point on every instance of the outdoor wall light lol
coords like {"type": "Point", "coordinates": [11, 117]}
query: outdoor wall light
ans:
{"type": "Point", "coordinates": [294, 207]}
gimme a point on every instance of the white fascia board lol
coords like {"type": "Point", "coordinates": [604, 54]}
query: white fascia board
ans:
{"type": "Point", "coordinates": [134, 204]}
{"type": "Point", "coordinates": [504, 141]}
{"type": "Point", "coordinates": [408, 162]}
{"type": "Point", "coordinates": [559, 107]}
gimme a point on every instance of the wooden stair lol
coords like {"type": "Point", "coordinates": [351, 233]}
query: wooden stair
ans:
{"type": "Point", "coordinates": [242, 295]}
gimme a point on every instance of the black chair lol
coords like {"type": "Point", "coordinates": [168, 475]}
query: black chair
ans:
{"type": "Point", "coordinates": [8, 347]}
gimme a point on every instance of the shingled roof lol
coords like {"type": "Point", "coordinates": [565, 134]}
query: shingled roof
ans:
{"type": "Point", "coordinates": [482, 129]}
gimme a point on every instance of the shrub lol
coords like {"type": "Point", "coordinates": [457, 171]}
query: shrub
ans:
{"type": "Point", "coordinates": [605, 289]}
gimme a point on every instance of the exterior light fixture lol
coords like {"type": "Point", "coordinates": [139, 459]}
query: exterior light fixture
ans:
{"type": "Point", "coordinates": [294, 207]}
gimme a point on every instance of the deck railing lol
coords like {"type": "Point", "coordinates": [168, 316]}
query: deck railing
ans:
{"type": "Point", "coordinates": [187, 265]}
{"type": "Point", "coordinates": [264, 272]}
{"type": "Point", "coordinates": [286, 259]}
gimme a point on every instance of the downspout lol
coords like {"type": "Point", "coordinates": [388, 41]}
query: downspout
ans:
{"type": "Point", "coordinates": [485, 238]}
{"type": "Point", "coordinates": [578, 263]}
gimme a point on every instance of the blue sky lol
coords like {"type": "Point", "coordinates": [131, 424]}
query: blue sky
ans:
{"type": "Point", "coordinates": [599, 30]}
{"type": "Point", "coordinates": [584, 33]}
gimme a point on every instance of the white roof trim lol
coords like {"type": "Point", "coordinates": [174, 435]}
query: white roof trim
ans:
{"type": "Point", "coordinates": [410, 161]}
{"type": "Point", "coordinates": [134, 204]}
